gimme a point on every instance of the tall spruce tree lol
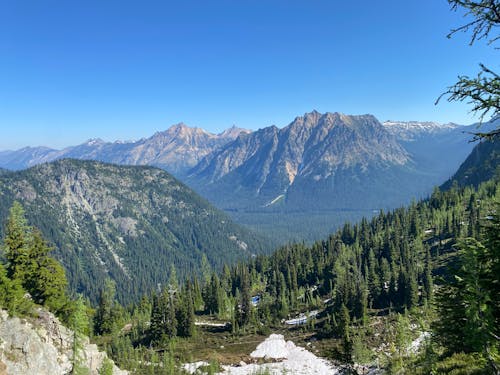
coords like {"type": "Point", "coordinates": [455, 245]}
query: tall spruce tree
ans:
{"type": "Point", "coordinates": [465, 315]}
{"type": "Point", "coordinates": [12, 294]}
{"type": "Point", "coordinates": [16, 242]}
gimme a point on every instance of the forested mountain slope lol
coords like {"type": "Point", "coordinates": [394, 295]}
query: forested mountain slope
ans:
{"type": "Point", "coordinates": [362, 295]}
{"type": "Point", "coordinates": [130, 224]}
{"type": "Point", "coordinates": [481, 165]}
{"type": "Point", "coordinates": [323, 169]}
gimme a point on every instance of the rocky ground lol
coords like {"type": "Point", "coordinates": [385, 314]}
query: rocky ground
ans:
{"type": "Point", "coordinates": [43, 346]}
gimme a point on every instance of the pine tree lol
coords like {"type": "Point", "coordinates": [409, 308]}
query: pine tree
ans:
{"type": "Point", "coordinates": [45, 277]}
{"type": "Point", "coordinates": [158, 319]}
{"type": "Point", "coordinates": [185, 314]}
{"type": "Point", "coordinates": [245, 299]}
{"type": "Point", "coordinates": [171, 322]}
{"type": "Point", "coordinates": [79, 325]}
{"type": "Point", "coordinates": [17, 234]}
{"type": "Point", "coordinates": [12, 294]}
{"type": "Point", "coordinates": [30, 264]}
{"type": "Point", "coordinates": [104, 317]}
{"type": "Point", "coordinates": [466, 318]}
{"type": "Point", "coordinates": [428, 286]}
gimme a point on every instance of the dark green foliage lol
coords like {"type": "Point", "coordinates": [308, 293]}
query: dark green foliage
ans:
{"type": "Point", "coordinates": [16, 243]}
{"type": "Point", "coordinates": [108, 316]}
{"type": "Point", "coordinates": [164, 317]}
{"type": "Point", "coordinates": [492, 277]}
{"type": "Point", "coordinates": [45, 277]}
{"type": "Point", "coordinates": [12, 295]}
{"type": "Point", "coordinates": [468, 303]}
{"type": "Point", "coordinates": [172, 314]}
{"type": "Point", "coordinates": [244, 304]}
{"type": "Point", "coordinates": [30, 267]}
{"type": "Point", "coordinates": [129, 224]}
{"type": "Point", "coordinates": [185, 314]}
{"type": "Point", "coordinates": [465, 315]}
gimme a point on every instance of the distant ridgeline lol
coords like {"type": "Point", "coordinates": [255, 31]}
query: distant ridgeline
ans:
{"type": "Point", "coordinates": [129, 224]}
{"type": "Point", "coordinates": [323, 169]}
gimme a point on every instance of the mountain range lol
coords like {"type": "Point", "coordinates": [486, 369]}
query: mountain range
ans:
{"type": "Point", "coordinates": [308, 178]}
{"type": "Point", "coordinates": [126, 223]}
{"type": "Point", "coordinates": [313, 163]}
{"type": "Point", "coordinates": [321, 169]}
{"type": "Point", "coordinates": [176, 149]}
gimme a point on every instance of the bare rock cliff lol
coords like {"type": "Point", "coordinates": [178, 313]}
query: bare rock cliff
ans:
{"type": "Point", "coordinates": [42, 345]}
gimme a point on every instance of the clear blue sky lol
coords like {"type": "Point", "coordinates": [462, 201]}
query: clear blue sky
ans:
{"type": "Point", "coordinates": [72, 70]}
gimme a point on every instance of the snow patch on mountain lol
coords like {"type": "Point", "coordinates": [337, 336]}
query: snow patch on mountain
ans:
{"type": "Point", "coordinates": [291, 359]}
{"type": "Point", "coordinates": [410, 130]}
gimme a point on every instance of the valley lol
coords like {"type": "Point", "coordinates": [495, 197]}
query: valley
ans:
{"type": "Point", "coordinates": [250, 188]}
{"type": "Point", "coordinates": [324, 169]}
{"type": "Point", "coordinates": [362, 299]}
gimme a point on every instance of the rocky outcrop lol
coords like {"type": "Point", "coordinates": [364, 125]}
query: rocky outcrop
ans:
{"type": "Point", "coordinates": [42, 345]}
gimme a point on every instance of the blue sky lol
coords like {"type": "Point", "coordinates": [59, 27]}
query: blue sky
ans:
{"type": "Point", "coordinates": [72, 70]}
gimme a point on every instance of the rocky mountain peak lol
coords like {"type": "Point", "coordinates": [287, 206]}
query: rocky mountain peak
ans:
{"type": "Point", "coordinates": [94, 142]}
{"type": "Point", "coordinates": [310, 151]}
{"type": "Point", "coordinates": [183, 130]}
{"type": "Point", "coordinates": [233, 132]}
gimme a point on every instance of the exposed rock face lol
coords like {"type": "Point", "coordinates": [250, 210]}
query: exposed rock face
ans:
{"type": "Point", "coordinates": [309, 154]}
{"type": "Point", "coordinates": [176, 149]}
{"type": "Point", "coordinates": [124, 222]}
{"type": "Point", "coordinates": [42, 346]}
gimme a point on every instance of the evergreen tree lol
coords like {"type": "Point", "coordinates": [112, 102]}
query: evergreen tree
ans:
{"type": "Point", "coordinates": [45, 277]}
{"type": "Point", "coordinates": [104, 319]}
{"type": "Point", "coordinates": [171, 322]}
{"type": "Point", "coordinates": [185, 314]}
{"type": "Point", "coordinates": [428, 285]}
{"type": "Point", "coordinates": [466, 318]}
{"type": "Point", "coordinates": [17, 234]}
{"type": "Point", "coordinates": [245, 304]}
{"type": "Point", "coordinates": [79, 325]}
{"type": "Point", "coordinates": [158, 319]}
{"type": "Point", "coordinates": [12, 294]}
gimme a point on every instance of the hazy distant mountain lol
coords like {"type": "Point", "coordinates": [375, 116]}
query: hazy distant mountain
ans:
{"type": "Point", "coordinates": [126, 223]}
{"type": "Point", "coordinates": [24, 157]}
{"type": "Point", "coordinates": [177, 149]}
{"type": "Point", "coordinates": [437, 149]}
{"type": "Point", "coordinates": [319, 161]}
{"type": "Point", "coordinates": [413, 130]}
